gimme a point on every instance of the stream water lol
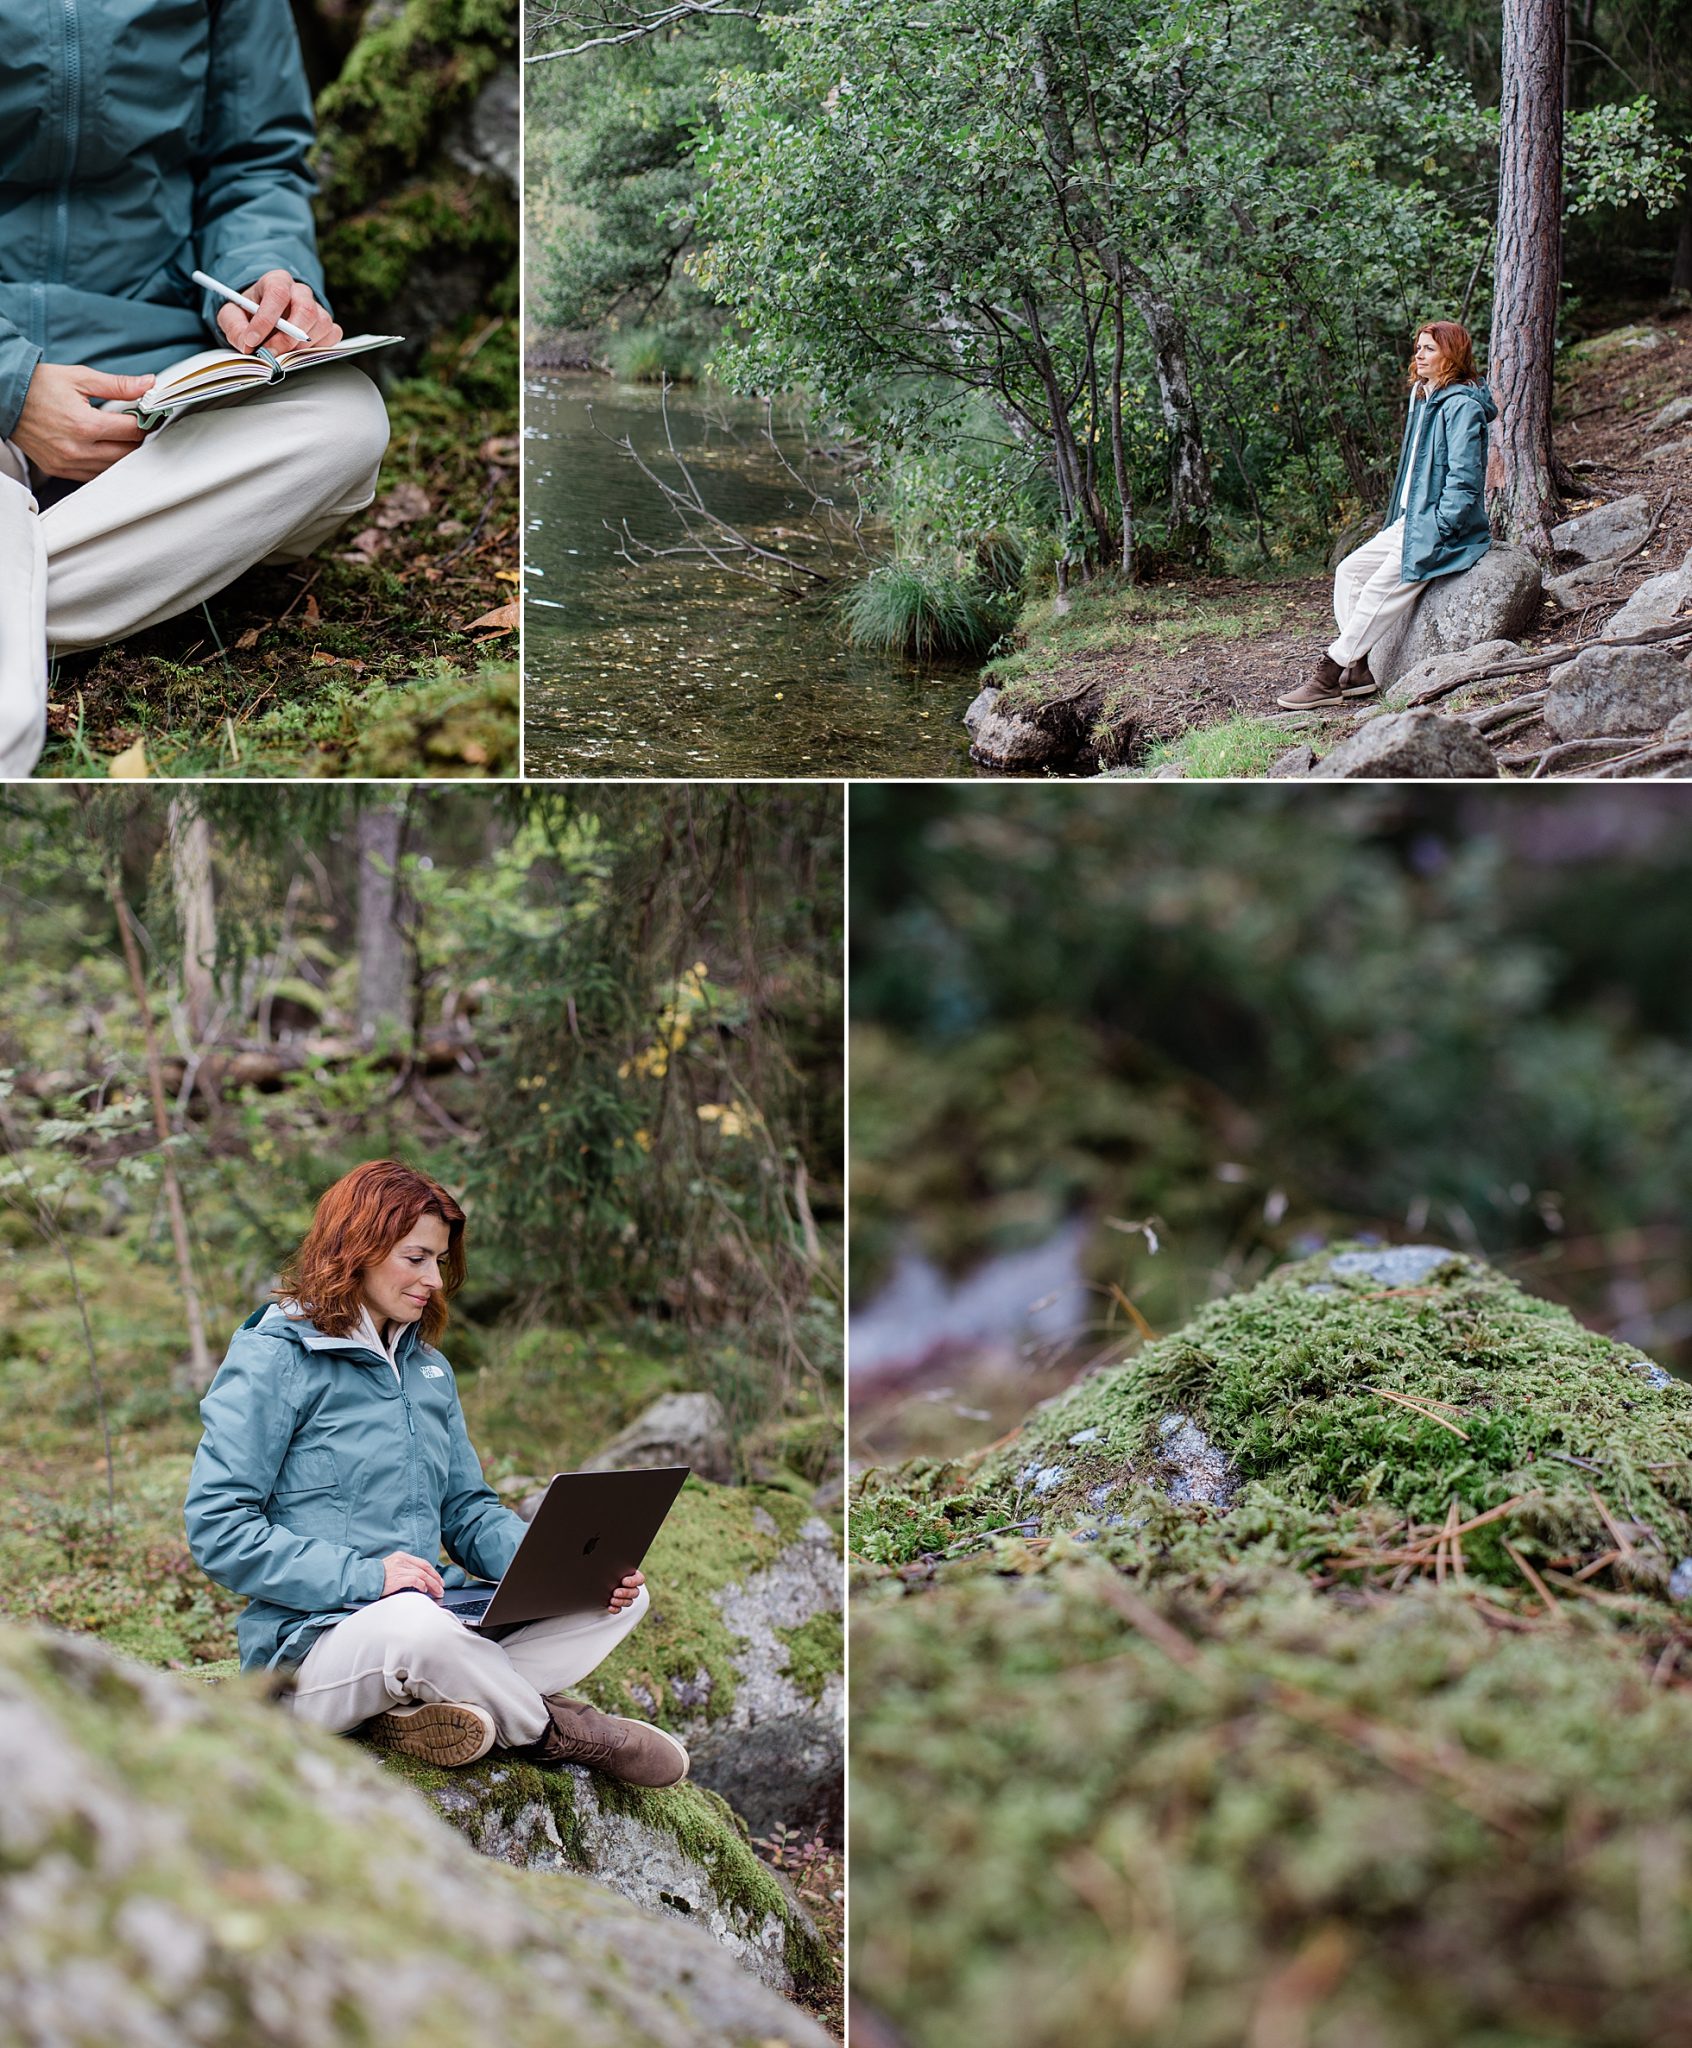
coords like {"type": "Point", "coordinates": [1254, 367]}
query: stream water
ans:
{"type": "Point", "coordinates": [677, 667]}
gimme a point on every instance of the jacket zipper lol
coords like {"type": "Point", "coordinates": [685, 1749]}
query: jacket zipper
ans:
{"type": "Point", "coordinates": [71, 139]}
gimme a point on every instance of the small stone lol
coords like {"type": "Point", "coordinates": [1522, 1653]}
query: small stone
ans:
{"type": "Point", "coordinates": [1680, 1580]}
{"type": "Point", "coordinates": [1447, 673]}
{"type": "Point", "coordinates": [1049, 1478]}
{"type": "Point", "coordinates": [1296, 761]}
{"type": "Point", "coordinates": [1672, 415]}
{"type": "Point", "coordinates": [1086, 1436]}
{"type": "Point", "coordinates": [1651, 1373]}
{"type": "Point", "coordinates": [1397, 1265]}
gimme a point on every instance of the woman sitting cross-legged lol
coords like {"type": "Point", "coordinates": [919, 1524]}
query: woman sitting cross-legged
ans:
{"type": "Point", "coordinates": [1436, 524]}
{"type": "Point", "coordinates": [335, 1463]}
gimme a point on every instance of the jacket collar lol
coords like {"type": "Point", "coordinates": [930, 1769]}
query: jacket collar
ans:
{"type": "Point", "coordinates": [304, 1332]}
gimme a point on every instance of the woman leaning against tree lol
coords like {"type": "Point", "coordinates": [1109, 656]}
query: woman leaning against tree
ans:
{"type": "Point", "coordinates": [1436, 519]}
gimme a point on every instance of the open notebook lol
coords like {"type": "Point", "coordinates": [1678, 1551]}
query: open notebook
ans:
{"type": "Point", "coordinates": [227, 373]}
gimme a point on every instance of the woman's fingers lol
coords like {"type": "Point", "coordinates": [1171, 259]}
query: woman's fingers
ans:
{"type": "Point", "coordinates": [403, 1573]}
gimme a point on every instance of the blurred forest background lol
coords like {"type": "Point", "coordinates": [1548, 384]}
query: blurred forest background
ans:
{"type": "Point", "coordinates": [1112, 1056]}
{"type": "Point", "coordinates": [379, 656]}
{"type": "Point", "coordinates": [607, 1018]}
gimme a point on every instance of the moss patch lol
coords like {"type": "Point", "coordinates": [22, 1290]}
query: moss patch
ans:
{"type": "Point", "coordinates": [679, 1664]}
{"type": "Point", "coordinates": [816, 1652]}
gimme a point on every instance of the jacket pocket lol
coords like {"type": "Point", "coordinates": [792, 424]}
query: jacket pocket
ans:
{"type": "Point", "coordinates": [308, 1473]}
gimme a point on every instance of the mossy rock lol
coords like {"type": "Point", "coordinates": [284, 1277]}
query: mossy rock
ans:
{"type": "Point", "coordinates": [1270, 1760]}
{"type": "Point", "coordinates": [678, 1852]}
{"type": "Point", "coordinates": [1363, 1388]}
{"type": "Point", "coordinates": [185, 1864]}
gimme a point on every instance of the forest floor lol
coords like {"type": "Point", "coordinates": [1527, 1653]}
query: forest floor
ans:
{"type": "Point", "coordinates": [1179, 677]}
{"type": "Point", "coordinates": [366, 660]}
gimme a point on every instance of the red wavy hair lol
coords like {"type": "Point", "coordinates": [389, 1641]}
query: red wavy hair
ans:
{"type": "Point", "coordinates": [354, 1226]}
{"type": "Point", "coordinates": [1456, 364]}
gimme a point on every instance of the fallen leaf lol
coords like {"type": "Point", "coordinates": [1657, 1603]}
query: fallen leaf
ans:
{"type": "Point", "coordinates": [403, 504]}
{"type": "Point", "coordinates": [130, 765]}
{"type": "Point", "coordinates": [505, 620]}
{"type": "Point", "coordinates": [365, 545]}
{"type": "Point", "coordinates": [475, 753]}
{"type": "Point", "coordinates": [500, 448]}
{"type": "Point", "coordinates": [321, 660]}
{"type": "Point", "coordinates": [247, 641]}
{"type": "Point", "coordinates": [450, 529]}
{"type": "Point", "coordinates": [312, 613]}
{"type": "Point", "coordinates": [507, 576]}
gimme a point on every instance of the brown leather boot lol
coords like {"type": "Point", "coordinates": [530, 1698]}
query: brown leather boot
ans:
{"type": "Point", "coordinates": [1322, 690]}
{"type": "Point", "coordinates": [634, 1751]}
{"type": "Point", "coordinates": [1357, 681]}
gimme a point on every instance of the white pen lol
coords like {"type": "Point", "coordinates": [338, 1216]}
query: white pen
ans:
{"type": "Point", "coordinates": [246, 305]}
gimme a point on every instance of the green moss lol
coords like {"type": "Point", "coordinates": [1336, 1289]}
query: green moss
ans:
{"type": "Point", "coordinates": [816, 1652]}
{"type": "Point", "coordinates": [564, 1393]}
{"type": "Point", "coordinates": [1286, 1381]}
{"type": "Point", "coordinates": [715, 1536]}
{"type": "Point", "coordinates": [1071, 1828]}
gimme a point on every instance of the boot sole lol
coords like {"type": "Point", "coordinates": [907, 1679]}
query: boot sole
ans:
{"type": "Point", "coordinates": [1323, 704]}
{"type": "Point", "coordinates": [443, 1734]}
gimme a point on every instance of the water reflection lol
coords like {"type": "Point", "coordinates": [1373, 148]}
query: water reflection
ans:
{"type": "Point", "coordinates": [678, 668]}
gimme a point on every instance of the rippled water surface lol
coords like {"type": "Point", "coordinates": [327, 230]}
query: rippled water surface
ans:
{"type": "Point", "coordinates": [678, 668]}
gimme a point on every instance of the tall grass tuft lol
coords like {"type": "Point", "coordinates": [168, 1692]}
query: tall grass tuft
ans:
{"type": "Point", "coordinates": [927, 609]}
{"type": "Point", "coordinates": [647, 355]}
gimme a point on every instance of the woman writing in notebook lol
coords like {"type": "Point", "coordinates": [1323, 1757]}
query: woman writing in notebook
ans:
{"type": "Point", "coordinates": [140, 141]}
{"type": "Point", "coordinates": [335, 1465]}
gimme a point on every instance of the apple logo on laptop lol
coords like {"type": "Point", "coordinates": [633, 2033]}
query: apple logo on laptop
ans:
{"type": "Point", "coordinates": [589, 1545]}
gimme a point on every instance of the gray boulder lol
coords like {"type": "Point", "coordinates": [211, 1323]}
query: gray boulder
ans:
{"type": "Point", "coordinates": [1008, 740]}
{"type": "Point", "coordinates": [1295, 762]}
{"type": "Point", "coordinates": [185, 1865]}
{"type": "Point", "coordinates": [788, 1773]}
{"type": "Point", "coordinates": [676, 1854]}
{"type": "Point", "coordinates": [1577, 588]}
{"type": "Point", "coordinates": [1616, 690]}
{"type": "Point", "coordinates": [1409, 746]}
{"type": "Point", "coordinates": [1658, 601]}
{"type": "Point", "coordinates": [1448, 672]}
{"type": "Point", "coordinates": [1605, 531]}
{"type": "Point", "coordinates": [677, 1429]}
{"type": "Point", "coordinates": [1498, 599]}
{"type": "Point", "coordinates": [1670, 451]}
{"type": "Point", "coordinates": [1673, 414]}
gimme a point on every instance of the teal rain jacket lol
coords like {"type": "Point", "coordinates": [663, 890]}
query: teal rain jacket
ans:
{"type": "Point", "coordinates": [1445, 525]}
{"type": "Point", "coordinates": [140, 141]}
{"type": "Point", "coordinates": [317, 1463]}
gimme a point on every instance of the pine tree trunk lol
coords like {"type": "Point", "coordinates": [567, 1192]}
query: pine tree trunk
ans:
{"type": "Point", "coordinates": [196, 914]}
{"type": "Point", "coordinates": [383, 975]}
{"type": "Point", "coordinates": [199, 1357]}
{"type": "Point", "coordinates": [1521, 487]}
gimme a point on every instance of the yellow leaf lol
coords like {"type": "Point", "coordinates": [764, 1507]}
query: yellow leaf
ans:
{"type": "Point", "coordinates": [130, 765]}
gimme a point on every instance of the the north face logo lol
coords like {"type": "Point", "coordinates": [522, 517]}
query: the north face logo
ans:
{"type": "Point", "coordinates": [434, 1372]}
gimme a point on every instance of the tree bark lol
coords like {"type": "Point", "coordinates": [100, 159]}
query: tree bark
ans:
{"type": "Point", "coordinates": [196, 912]}
{"type": "Point", "coordinates": [383, 963]}
{"type": "Point", "coordinates": [1521, 481]}
{"type": "Point", "coordinates": [199, 1357]}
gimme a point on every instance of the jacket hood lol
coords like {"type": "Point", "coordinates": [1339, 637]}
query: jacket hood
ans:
{"type": "Point", "coordinates": [1476, 392]}
{"type": "Point", "coordinates": [276, 1321]}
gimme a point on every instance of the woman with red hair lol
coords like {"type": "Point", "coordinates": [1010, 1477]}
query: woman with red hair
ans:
{"type": "Point", "coordinates": [1436, 522]}
{"type": "Point", "coordinates": [334, 1467]}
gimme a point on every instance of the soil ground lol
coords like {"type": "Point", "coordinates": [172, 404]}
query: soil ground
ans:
{"type": "Point", "coordinates": [1180, 676]}
{"type": "Point", "coordinates": [366, 660]}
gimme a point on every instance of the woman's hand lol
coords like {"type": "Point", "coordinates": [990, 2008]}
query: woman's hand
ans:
{"type": "Point", "coordinates": [63, 434]}
{"type": "Point", "coordinates": [403, 1573]}
{"type": "Point", "coordinates": [628, 1592]}
{"type": "Point", "coordinates": [279, 297]}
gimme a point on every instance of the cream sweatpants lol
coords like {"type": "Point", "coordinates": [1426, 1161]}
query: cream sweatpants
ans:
{"type": "Point", "coordinates": [1370, 597]}
{"type": "Point", "coordinates": [408, 1647]}
{"type": "Point", "coordinates": [196, 505]}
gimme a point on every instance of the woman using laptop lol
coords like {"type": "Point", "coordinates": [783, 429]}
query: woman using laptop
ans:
{"type": "Point", "coordinates": [334, 1466]}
